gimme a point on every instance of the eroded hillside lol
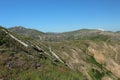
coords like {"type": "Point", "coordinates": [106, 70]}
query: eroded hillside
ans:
{"type": "Point", "coordinates": [77, 55]}
{"type": "Point", "coordinates": [21, 62]}
{"type": "Point", "coordinates": [97, 60]}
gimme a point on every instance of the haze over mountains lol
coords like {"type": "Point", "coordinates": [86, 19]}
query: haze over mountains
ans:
{"type": "Point", "coordinates": [77, 55]}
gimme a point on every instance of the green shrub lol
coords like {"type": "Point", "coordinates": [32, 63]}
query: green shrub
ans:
{"type": "Point", "coordinates": [95, 74]}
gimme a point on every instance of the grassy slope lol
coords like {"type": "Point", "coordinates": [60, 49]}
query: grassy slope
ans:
{"type": "Point", "coordinates": [16, 64]}
{"type": "Point", "coordinates": [80, 48]}
{"type": "Point", "coordinates": [49, 71]}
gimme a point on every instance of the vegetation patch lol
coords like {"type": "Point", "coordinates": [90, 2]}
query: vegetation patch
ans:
{"type": "Point", "coordinates": [95, 74]}
{"type": "Point", "coordinates": [92, 60]}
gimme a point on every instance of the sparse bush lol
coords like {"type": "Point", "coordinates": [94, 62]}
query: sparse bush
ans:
{"type": "Point", "coordinates": [95, 74]}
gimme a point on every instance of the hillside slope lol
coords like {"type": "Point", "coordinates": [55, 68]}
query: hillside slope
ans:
{"type": "Point", "coordinates": [95, 59]}
{"type": "Point", "coordinates": [20, 62]}
{"type": "Point", "coordinates": [84, 54]}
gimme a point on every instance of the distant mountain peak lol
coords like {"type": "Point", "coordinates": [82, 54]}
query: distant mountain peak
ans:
{"type": "Point", "coordinates": [77, 34]}
{"type": "Point", "coordinates": [26, 31]}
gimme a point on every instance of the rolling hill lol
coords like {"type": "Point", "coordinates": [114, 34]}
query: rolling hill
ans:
{"type": "Point", "coordinates": [77, 55]}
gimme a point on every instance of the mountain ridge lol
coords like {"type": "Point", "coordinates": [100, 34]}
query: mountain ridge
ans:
{"type": "Point", "coordinates": [95, 56]}
{"type": "Point", "coordinates": [72, 35]}
{"type": "Point", "coordinates": [83, 29]}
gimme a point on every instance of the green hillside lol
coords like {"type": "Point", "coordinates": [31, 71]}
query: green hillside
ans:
{"type": "Point", "coordinates": [18, 64]}
{"type": "Point", "coordinates": [77, 55]}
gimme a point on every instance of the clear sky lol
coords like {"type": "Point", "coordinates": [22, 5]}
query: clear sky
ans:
{"type": "Point", "coordinates": [61, 15]}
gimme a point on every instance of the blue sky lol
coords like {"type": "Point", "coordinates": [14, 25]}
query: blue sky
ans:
{"type": "Point", "coordinates": [61, 15]}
